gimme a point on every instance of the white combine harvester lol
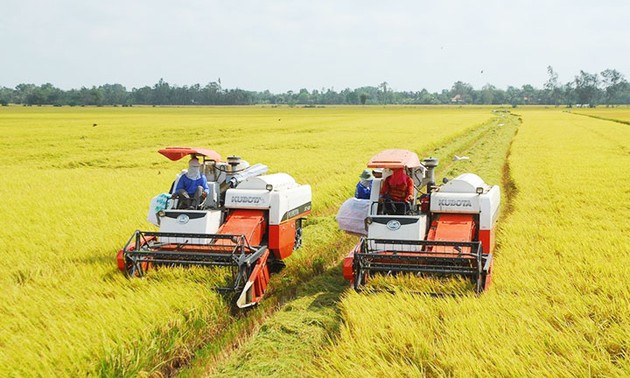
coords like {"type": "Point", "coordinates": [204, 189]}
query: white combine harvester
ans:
{"type": "Point", "coordinates": [447, 231]}
{"type": "Point", "coordinates": [249, 222]}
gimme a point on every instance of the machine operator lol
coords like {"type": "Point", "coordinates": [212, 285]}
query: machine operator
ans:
{"type": "Point", "coordinates": [397, 187]}
{"type": "Point", "coordinates": [192, 188]}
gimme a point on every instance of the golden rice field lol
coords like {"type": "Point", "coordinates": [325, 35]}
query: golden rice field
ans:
{"type": "Point", "coordinates": [559, 306]}
{"type": "Point", "coordinates": [620, 114]}
{"type": "Point", "coordinates": [289, 343]}
{"type": "Point", "coordinates": [560, 302]}
{"type": "Point", "coordinates": [76, 183]}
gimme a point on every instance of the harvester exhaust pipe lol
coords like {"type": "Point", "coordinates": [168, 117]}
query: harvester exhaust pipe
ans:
{"type": "Point", "coordinates": [233, 161]}
{"type": "Point", "coordinates": [430, 163]}
{"type": "Point", "coordinates": [255, 170]}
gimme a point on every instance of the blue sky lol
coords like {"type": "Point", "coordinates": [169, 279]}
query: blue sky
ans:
{"type": "Point", "coordinates": [287, 45]}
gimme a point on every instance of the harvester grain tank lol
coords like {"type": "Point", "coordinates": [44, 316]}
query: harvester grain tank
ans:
{"type": "Point", "coordinates": [446, 231]}
{"type": "Point", "coordinates": [249, 222]}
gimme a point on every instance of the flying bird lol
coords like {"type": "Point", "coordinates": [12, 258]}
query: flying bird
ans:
{"type": "Point", "coordinates": [458, 158]}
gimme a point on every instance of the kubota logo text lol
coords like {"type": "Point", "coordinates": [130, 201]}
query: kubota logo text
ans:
{"type": "Point", "coordinates": [452, 202]}
{"type": "Point", "coordinates": [246, 199]}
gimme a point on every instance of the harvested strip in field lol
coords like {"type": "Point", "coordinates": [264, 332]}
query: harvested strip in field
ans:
{"type": "Point", "coordinates": [621, 114]}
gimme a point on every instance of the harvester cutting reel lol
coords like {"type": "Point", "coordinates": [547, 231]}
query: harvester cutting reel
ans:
{"type": "Point", "coordinates": [248, 265]}
{"type": "Point", "coordinates": [421, 257]}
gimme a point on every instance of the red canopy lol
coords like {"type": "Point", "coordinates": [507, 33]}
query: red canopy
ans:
{"type": "Point", "coordinates": [394, 159]}
{"type": "Point", "coordinates": [176, 153]}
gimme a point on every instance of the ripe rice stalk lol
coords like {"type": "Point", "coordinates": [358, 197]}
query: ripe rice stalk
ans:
{"type": "Point", "coordinates": [74, 192]}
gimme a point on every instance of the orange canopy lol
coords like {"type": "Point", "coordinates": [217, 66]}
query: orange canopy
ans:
{"type": "Point", "coordinates": [176, 153]}
{"type": "Point", "coordinates": [393, 159]}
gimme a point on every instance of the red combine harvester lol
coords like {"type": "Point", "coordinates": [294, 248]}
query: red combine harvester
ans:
{"type": "Point", "coordinates": [248, 222]}
{"type": "Point", "coordinates": [447, 231]}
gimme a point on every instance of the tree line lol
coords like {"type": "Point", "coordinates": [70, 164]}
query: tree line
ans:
{"type": "Point", "coordinates": [608, 87]}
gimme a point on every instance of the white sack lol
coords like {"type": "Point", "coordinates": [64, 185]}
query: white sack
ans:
{"type": "Point", "coordinates": [158, 203]}
{"type": "Point", "coordinates": [351, 215]}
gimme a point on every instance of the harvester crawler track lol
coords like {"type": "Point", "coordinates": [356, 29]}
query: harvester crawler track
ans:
{"type": "Point", "coordinates": [437, 258]}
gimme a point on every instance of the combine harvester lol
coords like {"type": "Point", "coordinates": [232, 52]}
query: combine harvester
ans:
{"type": "Point", "coordinates": [248, 223]}
{"type": "Point", "coordinates": [447, 231]}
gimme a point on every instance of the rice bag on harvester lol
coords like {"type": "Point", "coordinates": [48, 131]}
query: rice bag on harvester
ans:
{"type": "Point", "coordinates": [351, 215]}
{"type": "Point", "coordinates": [158, 203]}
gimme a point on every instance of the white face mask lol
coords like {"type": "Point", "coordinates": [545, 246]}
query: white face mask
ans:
{"type": "Point", "coordinates": [193, 173]}
{"type": "Point", "coordinates": [365, 182]}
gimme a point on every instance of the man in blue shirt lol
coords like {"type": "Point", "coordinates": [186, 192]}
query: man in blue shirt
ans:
{"type": "Point", "coordinates": [364, 186]}
{"type": "Point", "coordinates": [192, 187]}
